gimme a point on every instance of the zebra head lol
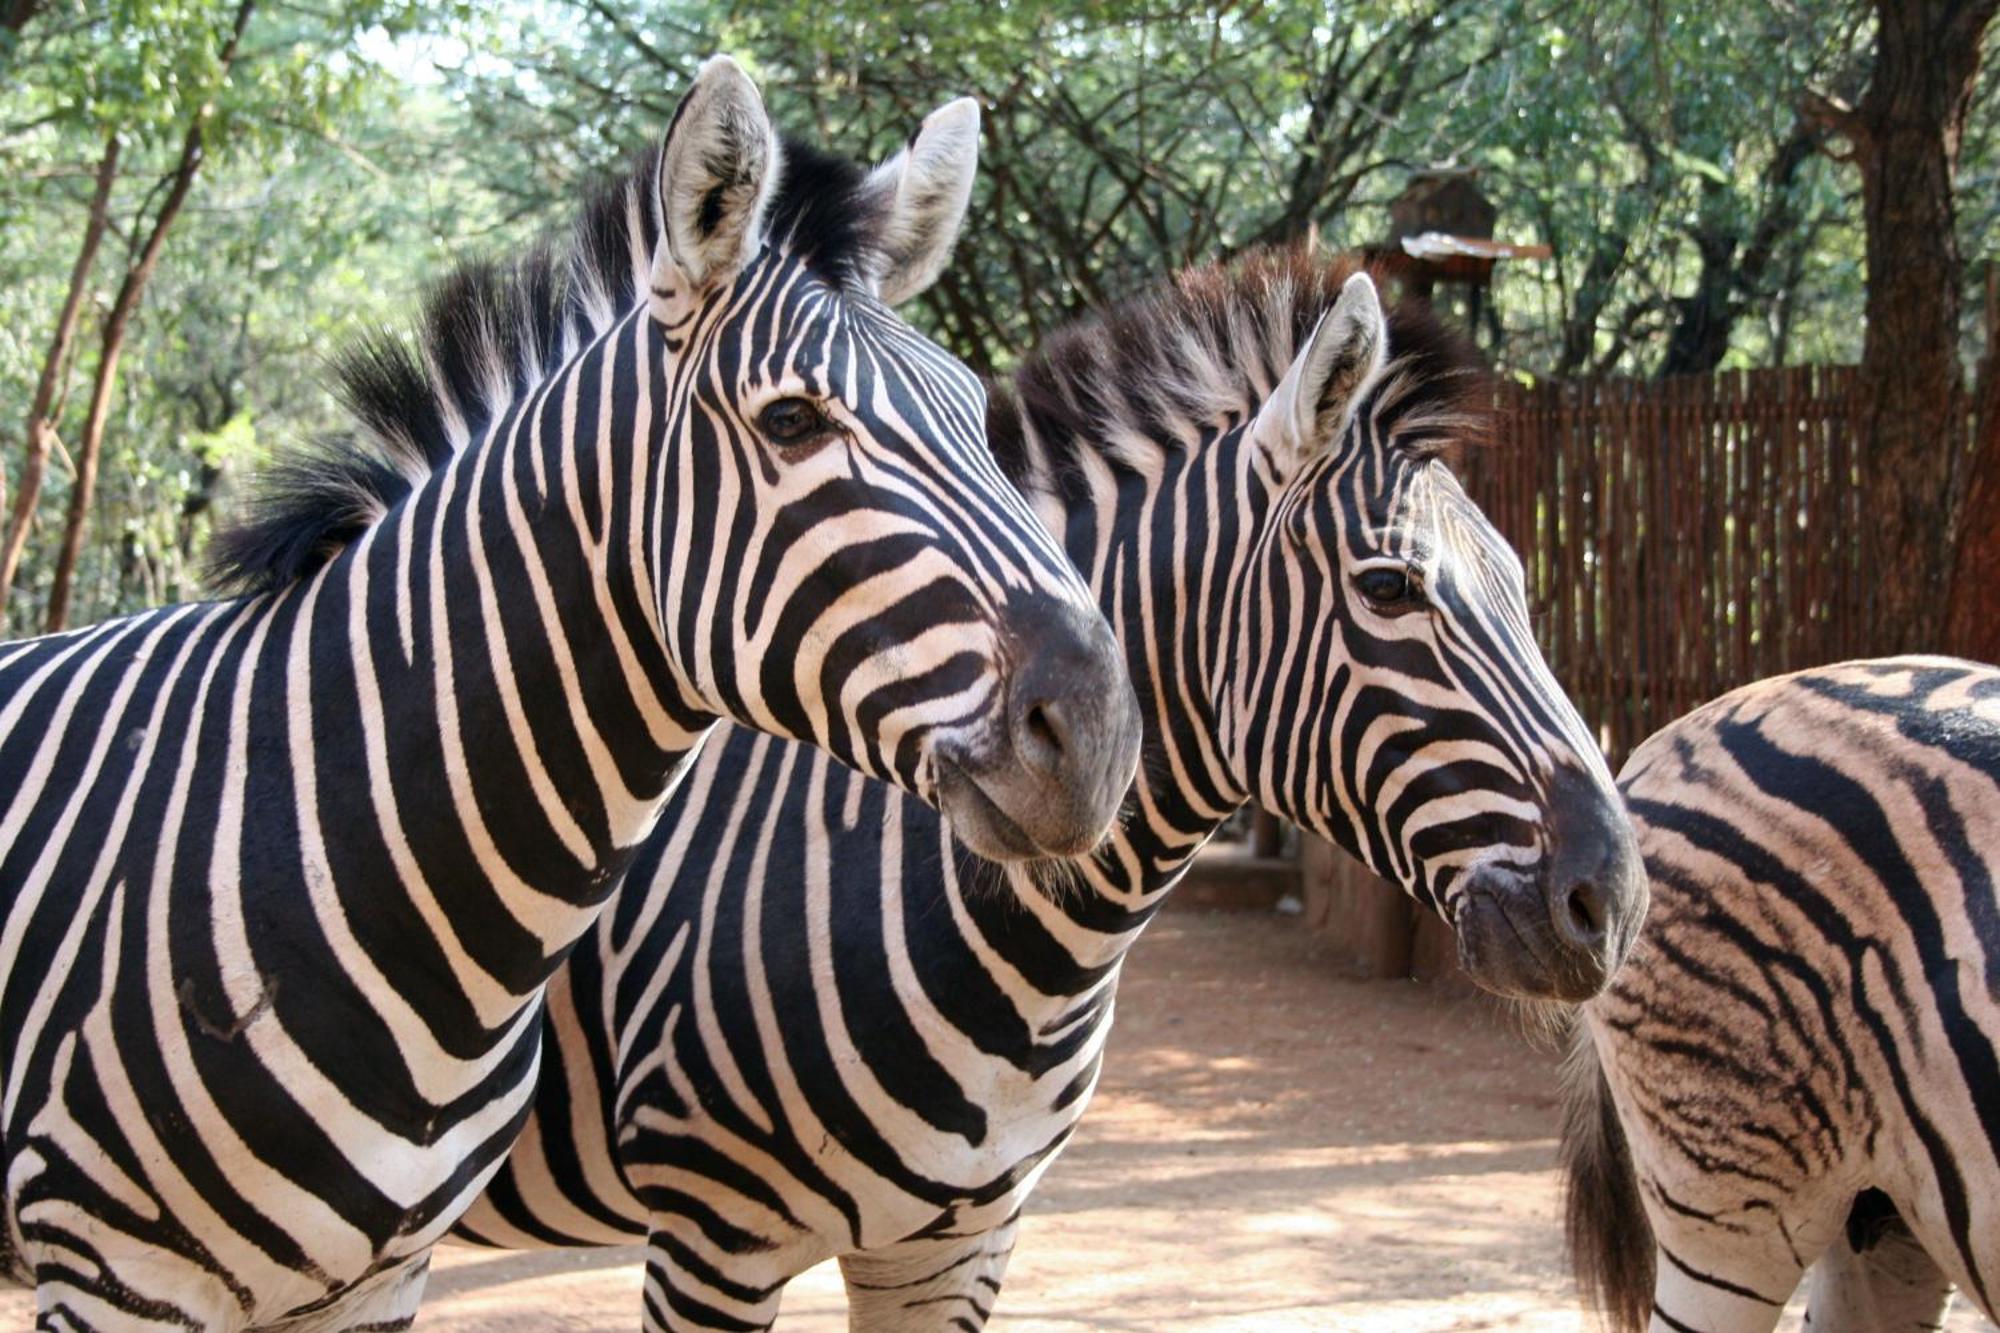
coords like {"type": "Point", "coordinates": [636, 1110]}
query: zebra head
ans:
{"type": "Point", "coordinates": [1391, 696]}
{"type": "Point", "coordinates": [858, 573]}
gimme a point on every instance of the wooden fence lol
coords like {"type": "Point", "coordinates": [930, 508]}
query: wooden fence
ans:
{"type": "Point", "coordinates": [1682, 536]}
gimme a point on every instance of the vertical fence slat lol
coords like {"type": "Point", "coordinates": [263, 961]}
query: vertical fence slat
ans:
{"type": "Point", "coordinates": [1681, 537]}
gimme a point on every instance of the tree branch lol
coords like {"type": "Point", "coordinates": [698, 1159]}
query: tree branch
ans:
{"type": "Point", "coordinates": [111, 343]}
{"type": "Point", "coordinates": [41, 432]}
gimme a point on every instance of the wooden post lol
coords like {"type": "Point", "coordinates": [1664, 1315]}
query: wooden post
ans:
{"type": "Point", "coordinates": [1267, 834]}
{"type": "Point", "coordinates": [1368, 920]}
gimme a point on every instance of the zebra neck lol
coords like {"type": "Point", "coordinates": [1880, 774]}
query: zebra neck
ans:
{"type": "Point", "coordinates": [514, 725]}
{"type": "Point", "coordinates": [1163, 539]}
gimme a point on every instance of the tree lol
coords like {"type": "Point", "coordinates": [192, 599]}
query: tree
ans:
{"type": "Point", "coordinates": [1122, 140]}
{"type": "Point", "coordinates": [1658, 149]}
{"type": "Point", "coordinates": [1973, 625]}
{"type": "Point", "coordinates": [43, 410]}
{"type": "Point", "coordinates": [1739, 273]}
{"type": "Point", "coordinates": [1905, 133]}
{"type": "Point", "coordinates": [164, 92]}
{"type": "Point", "coordinates": [111, 342]}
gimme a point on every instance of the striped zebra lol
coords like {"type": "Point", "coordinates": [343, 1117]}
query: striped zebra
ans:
{"type": "Point", "coordinates": [812, 1025]}
{"type": "Point", "coordinates": [284, 876]}
{"type": "Point", "coordinates": [1799, 1068]}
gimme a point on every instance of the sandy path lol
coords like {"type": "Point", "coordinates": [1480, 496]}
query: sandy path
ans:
{"type": "Point", "coordinates": [1273, 1147]}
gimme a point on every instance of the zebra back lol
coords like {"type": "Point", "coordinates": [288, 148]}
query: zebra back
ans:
{"type": "Point", "coordinates": [1814, 1012]}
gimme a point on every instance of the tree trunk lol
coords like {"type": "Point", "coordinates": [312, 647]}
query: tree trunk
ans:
{"type": "Point", "coordinates": [111, 347]}
{"type": "Point", "coordinates": [1974, 626]}
{"type": "Point", "coordinates": [112, 344]}
{"type": "Point", "coordinates": [1734, 280]}
{"type": "Point", "coordinates": [1593, 292]}
{"type": "Point", "coordinates": [41, 427]}
{"type": "Point", "coordinates": [1906, 132]}
{"type": "Point", "coordinates": [1704, 319]}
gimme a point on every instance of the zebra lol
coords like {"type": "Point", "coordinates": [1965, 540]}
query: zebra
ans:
{"type": "Point", "coordinates": [811, 1025]}
{"type": "Point", "coordinates": [285, 874]}
{"type": "Point", "coordinates": [1799, 1068]}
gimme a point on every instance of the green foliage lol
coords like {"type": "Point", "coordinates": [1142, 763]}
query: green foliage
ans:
{"type": "Point", "coordinates": [300, 227]}
{"type": "Point", "coordinates": [358, 145]}
{"type": "Point", "coordinates": [1659, 150]}
{"type": "Point", "coordinates": [1121, 139]}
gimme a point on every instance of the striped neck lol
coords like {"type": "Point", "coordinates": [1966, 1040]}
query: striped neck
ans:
{"type": "Point", "coordinates": [519, 722]}
{"type": "Point", "coordinates": [1164, 536]}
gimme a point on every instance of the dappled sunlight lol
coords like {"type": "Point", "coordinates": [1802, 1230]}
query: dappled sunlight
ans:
{"type": "Point", "coordinates": [1274, 1148]}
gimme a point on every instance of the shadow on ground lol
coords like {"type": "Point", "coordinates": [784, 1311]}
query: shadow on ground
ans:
{"type": "Point", "coordinates": [1274, 1147]}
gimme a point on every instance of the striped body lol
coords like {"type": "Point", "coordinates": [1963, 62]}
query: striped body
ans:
{"type": "Point", "coordinates": [282, 877]}
{"type": "Point", "coordinates": [1801, 1062]}
{"type": "Point", "coordinates": [875, 1050]}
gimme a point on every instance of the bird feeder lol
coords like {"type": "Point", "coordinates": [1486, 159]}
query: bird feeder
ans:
{"type": "Point", "coordinates": [1441, 231]}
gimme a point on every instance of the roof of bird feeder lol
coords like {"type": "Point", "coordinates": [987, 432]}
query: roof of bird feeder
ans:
{"type": "Point", "coordinates": [1442, 199]}
{"type": "Point", "coordinates": [1441, 230]}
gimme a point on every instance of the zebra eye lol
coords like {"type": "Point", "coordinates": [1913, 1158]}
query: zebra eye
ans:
{"type": "Point", "coordinates": [789, 422]}
{"type": "Point", "coordinates": [1389, 589]}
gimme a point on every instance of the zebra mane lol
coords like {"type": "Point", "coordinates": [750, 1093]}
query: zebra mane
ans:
{"type": "Point", "coordinates": [1172, 366]}
{"type": "Point", "coordinates": [486, 333]}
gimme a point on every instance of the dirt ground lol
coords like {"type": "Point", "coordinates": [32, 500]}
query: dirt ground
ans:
{"type": "Point", "coordinates": [1274, 1147]}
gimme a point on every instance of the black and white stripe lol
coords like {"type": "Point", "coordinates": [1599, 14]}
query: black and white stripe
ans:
{"type": "Point", "coordinates": [812, 1025]}
{"type": "Point", "coordinates": [282, 877]}
{"type": "Point", "coordinates": [1800, 1065]}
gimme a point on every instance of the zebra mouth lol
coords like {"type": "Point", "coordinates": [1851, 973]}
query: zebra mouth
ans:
{"type": "Point", "coordinates": [1560, 930]}
{"type": "Point", "coordinates": [977, 820]}
{"type": "Point", "coordinates": [1506, 944]}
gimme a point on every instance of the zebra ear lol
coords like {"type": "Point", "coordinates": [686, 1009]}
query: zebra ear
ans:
{"type": "Point", "coordinates": [919, 198]}
{"type": "Point", "coordinates": [1310, 407]}
{"type": "Point", "coordinates": [718, 165]}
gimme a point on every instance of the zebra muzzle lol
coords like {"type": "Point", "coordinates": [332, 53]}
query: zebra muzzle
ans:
{"type": "Point", "coordinates": [1561, 930]}
{"type": "Point", "coordinates": [1052, 767]}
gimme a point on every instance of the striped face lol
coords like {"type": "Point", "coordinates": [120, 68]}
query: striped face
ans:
{"type": "Point", "coordinates": [1398, 704]}
{"type": "Point", "coordinates": [857, 573]}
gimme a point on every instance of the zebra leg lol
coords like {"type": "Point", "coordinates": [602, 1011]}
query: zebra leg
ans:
{"type": "Point", "coordinates": [385, 1302]}
{"type": "Point", "coordinates": [1877, 1278]}
{"type": "Point", "coordinates": [1715, 1278]}
{"type": "Point", "coordinates": [929, 1283]}
{"type": "Point", "coordinates": [696, 1286]}
{"type": "Point", "coordinates": [1736, 1222]}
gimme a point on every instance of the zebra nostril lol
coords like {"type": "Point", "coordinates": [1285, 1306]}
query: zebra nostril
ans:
{"type": "Point", "coordinates": [1583, 906]}
{"type": "Point", "coordinates": [1064, 744]}
{"type": "Point", "coordinates": [1596, 890]}
{"type": "Point", "coordinates": [1042, 724]}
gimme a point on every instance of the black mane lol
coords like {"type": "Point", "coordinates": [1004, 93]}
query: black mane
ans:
{"type": "Point", "coordinates": [484, 333]}
{"type": "Point", "coordinates": [1203, 353]}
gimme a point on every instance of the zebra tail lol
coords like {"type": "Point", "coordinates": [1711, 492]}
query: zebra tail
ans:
{"type": "Point", "coordinates": [1609, 1239]}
